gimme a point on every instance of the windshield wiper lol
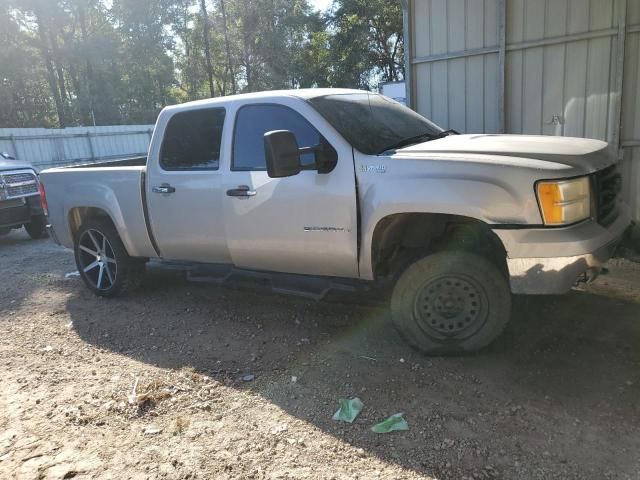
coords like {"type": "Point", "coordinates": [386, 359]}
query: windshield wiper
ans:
{"type": "Point", "coordinates": [446, 133]}
{"type": "Point", "coordinates": [409, 141]}
{"type": "Point", "coordinates": [427, 137]}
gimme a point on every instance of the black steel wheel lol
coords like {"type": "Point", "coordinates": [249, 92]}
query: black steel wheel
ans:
{"type": "Point", "coordinates": [450, 303]}
{"type": "Point", "coordinates": [102, 261]}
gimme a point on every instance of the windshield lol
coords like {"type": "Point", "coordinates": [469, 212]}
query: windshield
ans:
{"type": "Point", "coordinates": [373, 123]}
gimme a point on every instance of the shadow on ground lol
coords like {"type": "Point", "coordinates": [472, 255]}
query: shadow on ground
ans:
{"type": "Point", "coordinates": [562, 381]}
{"type": "Point", "coordinates": [18, 256]}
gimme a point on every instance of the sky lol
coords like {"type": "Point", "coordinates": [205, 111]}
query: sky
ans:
{"type": "Point", "coordinates": [320, 4]}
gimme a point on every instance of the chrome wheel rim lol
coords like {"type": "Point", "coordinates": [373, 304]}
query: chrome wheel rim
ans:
{"type": "Point", "coordinates": [451, 306]}
{"type": "Point", "coordinates": [97, 260]}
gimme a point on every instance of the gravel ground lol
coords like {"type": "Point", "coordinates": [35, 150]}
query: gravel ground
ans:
{"type": "Point", "coordinates": [200, 381]}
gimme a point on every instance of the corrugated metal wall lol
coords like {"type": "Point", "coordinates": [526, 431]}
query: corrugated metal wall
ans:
{"type": "Point", "coordinates": [549, 67]}
{"type": "Point", "coordinates": [45, 148]}
{"type": "Point", "coordinates": [449, 87]}
{"type": "Point", "coordinates": [631, 108]}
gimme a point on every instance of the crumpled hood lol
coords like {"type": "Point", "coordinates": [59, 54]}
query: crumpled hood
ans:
{"type": "Point", "coordinates": [529, 151]}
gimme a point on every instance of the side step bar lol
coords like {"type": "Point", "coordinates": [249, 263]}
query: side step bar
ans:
{"type": "Point", "coordinates": [307, 286]}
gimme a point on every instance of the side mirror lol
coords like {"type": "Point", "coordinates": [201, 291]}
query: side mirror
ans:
{"type": "Point", "coordinates": [282, 154]}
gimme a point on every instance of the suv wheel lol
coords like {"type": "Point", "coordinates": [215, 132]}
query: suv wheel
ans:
{"type": "Point", "coordinates": [37, 228]}
{"type": "Point", "coordinates": [104, 264]}
{"type": "Point", "coordinates": [451, 303]}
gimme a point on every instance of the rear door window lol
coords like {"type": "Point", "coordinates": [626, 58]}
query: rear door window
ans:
{"type": "Point", "coordinates": [192, 140]}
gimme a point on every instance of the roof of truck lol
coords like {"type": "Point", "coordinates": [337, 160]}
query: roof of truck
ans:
{"type": "Point", "coordinates": [304, 93]}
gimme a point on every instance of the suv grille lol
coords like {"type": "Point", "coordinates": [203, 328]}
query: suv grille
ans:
{"type": "Point", "coordinates": [19, 184]}
{"type": "Point", "coordinates": [608, 185]}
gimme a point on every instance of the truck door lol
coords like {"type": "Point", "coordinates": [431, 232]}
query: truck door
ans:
{"type": "Point", "coordinates": [184, 188]}
{"type": "Point", "coordinates": [303, 224]}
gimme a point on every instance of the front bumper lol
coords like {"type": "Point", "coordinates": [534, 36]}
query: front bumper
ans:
{"type": "Point", "coordinates": [16, 212]}
{"type": "Point", "coordinates": [576, 250]}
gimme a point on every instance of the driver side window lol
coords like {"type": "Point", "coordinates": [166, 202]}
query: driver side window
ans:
{"type": "Point", "coordinates": [253, 121]}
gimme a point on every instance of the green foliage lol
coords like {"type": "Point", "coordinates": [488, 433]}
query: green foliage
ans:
{"type": "Point", "coordinates": [76, 62]}
{"type": "Point", "coordinates": [367, 46]}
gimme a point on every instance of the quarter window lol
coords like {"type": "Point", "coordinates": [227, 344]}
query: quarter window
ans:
{"type": "Point", "coordinates": [192, 140]}
{"type": "Point", "coordinates": [253, 121]}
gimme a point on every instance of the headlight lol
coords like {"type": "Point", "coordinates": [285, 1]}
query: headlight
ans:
{"type": "Point", "coordinates": [564, 202]}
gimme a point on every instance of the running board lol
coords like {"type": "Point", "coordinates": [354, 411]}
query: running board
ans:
{"type": "Point", "coordinates": [307, 286]}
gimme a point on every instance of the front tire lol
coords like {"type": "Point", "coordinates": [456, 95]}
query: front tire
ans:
{"type": "Point", "coordinates": [37, 228]}
{"type": "Point", "coordinates": [103, 263]}
{"type": "Point", "coordinates": [451, 303]}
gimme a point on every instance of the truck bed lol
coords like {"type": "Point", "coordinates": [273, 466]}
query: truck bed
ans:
{"type": "Point", "coordinates": [120, 162]}
{"type": "Point", "coordinates": [116, 188]}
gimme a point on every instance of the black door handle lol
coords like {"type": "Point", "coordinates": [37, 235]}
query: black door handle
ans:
{"type": "Point", "coordinates": [164, 188]}
{"type": "Point", "coordinates": [242, 191]}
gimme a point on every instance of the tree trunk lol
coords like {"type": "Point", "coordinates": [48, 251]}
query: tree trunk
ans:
{"type": "Point", "coordinates": [57, 62]}
{"type": "Point", "coordinates": [82, 17]}
{"type": "Point", "coordinates": [51, 74]}
{"type": "Point", "coordinates": [229, 67]}
{"type": "Point", "coordinates": [207, 48]}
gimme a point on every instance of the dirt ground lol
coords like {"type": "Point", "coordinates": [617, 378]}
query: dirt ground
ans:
{"type": "Point", "coordinates": [151, 386]}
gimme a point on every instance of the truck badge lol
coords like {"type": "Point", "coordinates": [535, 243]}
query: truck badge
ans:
{"type": "Point", "coordinates": [373, 168]}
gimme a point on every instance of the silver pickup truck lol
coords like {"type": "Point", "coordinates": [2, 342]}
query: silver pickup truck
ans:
{"type": "Point", "coordinates": [326, 188]}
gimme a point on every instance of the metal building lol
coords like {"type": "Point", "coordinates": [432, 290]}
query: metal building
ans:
{"type": "Point", "coordinates": [552, 67]}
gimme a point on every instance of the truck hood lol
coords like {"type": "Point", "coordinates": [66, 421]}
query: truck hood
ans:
{"type": "Point", "coordinates": [528, 151]}
{"type": "Point", "coordinates": [13, 165]}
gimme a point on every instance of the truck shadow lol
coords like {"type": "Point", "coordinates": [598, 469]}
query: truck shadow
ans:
{"type": "Point", "coordinates": [536, 389]}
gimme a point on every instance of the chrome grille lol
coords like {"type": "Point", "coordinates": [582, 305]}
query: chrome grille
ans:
{"type": "Point", "coordinates": [22, 190]}
{"type": "Point", "coordinates": [608, 185]}
{"type": "Point", "coordinates": [19, 177]}
{"type": "Point", "coordinates": [18, 184]}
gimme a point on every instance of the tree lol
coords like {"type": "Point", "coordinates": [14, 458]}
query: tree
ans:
{"type": "Point", "coordinates": [83, 62]}
{"type": "Point", "coordinates": [207, 47]}
{"type": "Point", "coordinates": [229, 70]}
{"type": "Point", "coordinates": [25, 98]}
{"type": "Point", "coordinates": [368, 44]}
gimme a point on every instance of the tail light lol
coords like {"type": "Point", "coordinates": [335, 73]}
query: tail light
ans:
{"type": "Point", "coordinates": [43, 198]}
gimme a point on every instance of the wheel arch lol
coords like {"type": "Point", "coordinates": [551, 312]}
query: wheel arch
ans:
{"type": "Point", "coordinates": [76, 216]}
{"type": "Point", "coordinates": [398, 238]}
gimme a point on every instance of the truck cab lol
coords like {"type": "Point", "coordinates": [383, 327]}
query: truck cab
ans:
{"type": "Point", "coordinates": [349, 186]}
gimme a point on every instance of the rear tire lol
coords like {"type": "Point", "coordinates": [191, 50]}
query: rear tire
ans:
{"type": "Point", "coordinates": [104, 264]}
{"type": "Point", "coordinates": [37, 228]}
{"type": "Point", "coordinates": [451, 303]}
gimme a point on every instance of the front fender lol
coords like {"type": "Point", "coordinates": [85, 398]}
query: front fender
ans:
{"type": "Point", "coordinates": [483, 199]}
